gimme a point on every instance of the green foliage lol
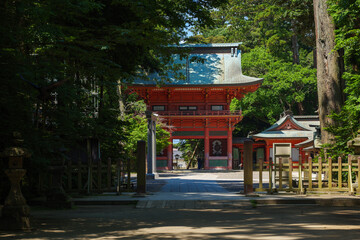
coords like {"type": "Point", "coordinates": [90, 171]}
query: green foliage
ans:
{"type": "Point", "coordinates": [190, 147]}
{"type": "Point", "coordinates": [262, 23]}
{"type": "Point", "coordinates": [61, 63]}
{"type": "Point", "coordinates": [286, 86]}
{"type": "Point", "coordinates": [273, 34]}
{"type": "Point", "coordinates": [346, 17]}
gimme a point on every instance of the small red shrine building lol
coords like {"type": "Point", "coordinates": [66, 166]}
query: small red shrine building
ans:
{"type": "Point", "coordinates": [291, 136]}
{"type": "Point", "coordinates": [198, 108]}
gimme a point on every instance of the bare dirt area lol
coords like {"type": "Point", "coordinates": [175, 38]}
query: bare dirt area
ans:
{"type": "Point", "coordinates": [127, 222]}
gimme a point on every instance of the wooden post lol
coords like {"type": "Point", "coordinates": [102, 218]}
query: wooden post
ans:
{"type": "Point", "coordinates": [350, 185]}
{"type": "Point", "coordinates": [118, 176]}
{"type": "Point", "coordinates": [89, 157]}
{"type": "Point", "coordinates": [270, 175]}
{"type": "Point", "coordinates": [79, 180]}
{"type": "Point", "coordinates": [320, 173]}
{"type": "Point", "coordinates": [280, 173]}
{"type": "Point", "coordinates": [330, 173]}
{"type": "Point", "coordinates": [69, 175]}
{"type": "Point", "coordinates": [339, 173]}
{"type": "Point", "coordinates": [300, 177]}
{"type": "Point", "coordinates": [290, 174]}
{"type": "Point", "coordinates": [99, 173]}
{"type": "Point", "coordinates": [248, 167]}
{"type": "Point", "coordinates": [310, 173]}
{"type": "Point", "coordinates": [108, 174]}
{"type": "Point", "coordinates": [128, 170]}
{"type": "Point", "coordinates": [358, 176]}
{"type": "Point", "coordinates": [141, 167]}
{"type": "Point", "coordinates": [261, 162]}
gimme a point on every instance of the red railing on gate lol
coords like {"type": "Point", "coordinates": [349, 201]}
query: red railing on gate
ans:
{"type": "Point", "coordinates": [200, 113]}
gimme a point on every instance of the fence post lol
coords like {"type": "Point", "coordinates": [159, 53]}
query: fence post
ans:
{"type": "Point", "coordinates": [339, 173]}
{"type": "Point", "coordinates": [90, 165]}
{"type": "Point", "coordinates": [118, 177]}
{"type": "Point", "coordinates": [69, 175]}
{"type": "Point", "coordinates": [261, 162]}
{"type": "Point", "coordinates": [290, 174]}
{"type": "Point", "coordinates": [248, 167]}
{"type": "Point", "coordinates": [300, 177]}
{"type": "Point", "coordinates": [330, 173]}
{"type": "Point", "coordinates": [310, 173]}
{"type": "Point", "coordinates": [141, 167]}
{"type": "Point", "coordinates": [99, 173]}
{"type": "Point", "coordinates": [270, 175]}
{"type": "Point", "coordinates": [108, 174]}
{"type": "Point", "coordinates": [280, 173]}
{"type": "Point", "coordinates": [350, 185]}
{"type": "Point", "coordinates": [320, 173]}
{"type": "Point", "coordinates": [358, 176]}
{"type": "Point", "coordinates": [79, 175]}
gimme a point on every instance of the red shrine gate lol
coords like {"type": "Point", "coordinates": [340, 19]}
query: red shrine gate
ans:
{"type": "Point", "coordinates": [201, 111]}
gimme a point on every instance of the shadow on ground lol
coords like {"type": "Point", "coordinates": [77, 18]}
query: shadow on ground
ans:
{"type": "Point", "coordinates": [126, 222]}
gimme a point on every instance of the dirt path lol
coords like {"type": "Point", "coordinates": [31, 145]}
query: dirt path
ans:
{"type": "Point", "coordinates": [126, 222]}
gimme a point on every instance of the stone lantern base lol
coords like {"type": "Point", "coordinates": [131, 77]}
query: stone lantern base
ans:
{"type": "Point", "coordinates": [15, 218]}
{"type": "Point", "coordinates": [56, 196]}
{"type": "Point", "coordinates": [15, 213]}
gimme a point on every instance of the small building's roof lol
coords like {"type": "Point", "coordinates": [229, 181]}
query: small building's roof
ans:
{"type": "Point", "coordinates": [207, 64]}
{"type": "Point", "coordinates": [287, 127]}
{"type": "Point", "coordinates": [213, 45]}
{"type": "Point", "coordinates": [305, 143]}
{"type": "Point", "coordinates": [310, 121]}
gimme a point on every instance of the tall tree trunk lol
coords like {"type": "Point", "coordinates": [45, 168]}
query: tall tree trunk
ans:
{"type": "Point", "coordinates": [192, 156]}
{"type": "Point", "coordinates": [101, 103]}
{"type": "Point", "coordinates": [295, 49]}
{"type": "Point", "coordinates": [300, 106]}
{"type": "Point", "coordinates": [121, 103]}
{"type": "Point", "coordinates": [329, 81]}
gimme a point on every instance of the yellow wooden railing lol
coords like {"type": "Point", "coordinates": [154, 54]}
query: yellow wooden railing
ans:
{"type": "Point", "coordinates": [298, 176]}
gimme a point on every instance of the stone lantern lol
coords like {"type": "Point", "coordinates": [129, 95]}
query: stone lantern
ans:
{"type": "Point", "coordinates": [15, 213]}
{"type": "Point", "coordinates": [56, 196]}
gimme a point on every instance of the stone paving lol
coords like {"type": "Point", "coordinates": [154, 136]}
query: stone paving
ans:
{"type": "Point", "coordinates": [209, 189]}
{"type": "Point", "coordinates": [177, 210]}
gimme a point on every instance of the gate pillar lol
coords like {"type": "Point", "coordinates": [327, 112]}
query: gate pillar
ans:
{"type": "Point", "coordinates": [206, 149]}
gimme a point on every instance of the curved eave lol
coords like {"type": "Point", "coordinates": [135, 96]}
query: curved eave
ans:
{"type": "Point", "coordinates": [285, 134]}
{"type": "Point", "coordinates": [212, 45]}
{"type": "Point", "coordinates": [259, 81]}
{"type": "Point", "coordinates": [305, 143]}
{"type": "Point", "coordinates": [276, 138]}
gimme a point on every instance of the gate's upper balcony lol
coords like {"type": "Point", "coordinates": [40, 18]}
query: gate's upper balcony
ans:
{"type": "Point", "coordinates": [201, 113]}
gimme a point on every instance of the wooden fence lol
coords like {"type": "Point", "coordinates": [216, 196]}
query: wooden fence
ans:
{"type": "Point", "coordinates": [96, 177]}
{"type": "Point", "coordinates": [324, 175]}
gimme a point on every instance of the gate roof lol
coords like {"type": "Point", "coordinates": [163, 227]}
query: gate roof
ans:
{"type": "Point", "coordinates": [206, 64]}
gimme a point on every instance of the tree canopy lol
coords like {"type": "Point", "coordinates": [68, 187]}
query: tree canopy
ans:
{"type": "Point", "coordinates": [278, 43]}
{"type": "Point", "coordinates": [61, 63]}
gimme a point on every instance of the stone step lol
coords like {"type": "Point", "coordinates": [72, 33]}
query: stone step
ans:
{"type": "Point", "coordinates": [193, 204]}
